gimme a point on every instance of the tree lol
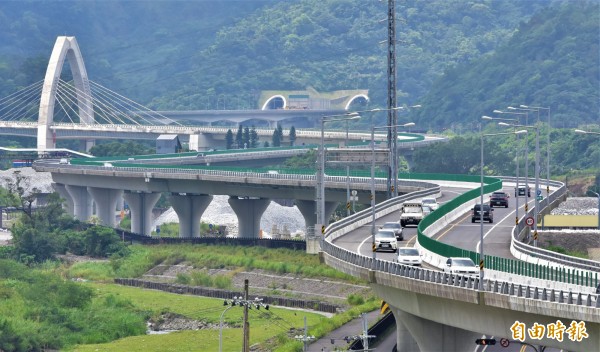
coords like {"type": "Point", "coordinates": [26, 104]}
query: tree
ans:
{"type": "Point", "coordinates": [280, 133]}
{"type": "Point", "coordinates": [266, 145]}
{"type": "Point", "coordinates": [292, 136]}
{"type": "Point", "coordinates": [239, 138]}
{"type": "Point", "coordinates": [253, 137]}
{"type": "Point", "coordinates": [246, 137]}
{"type": "Point", "coordinates": [276, 138]}
{"type": "Point", "coordinates": [229, 139]}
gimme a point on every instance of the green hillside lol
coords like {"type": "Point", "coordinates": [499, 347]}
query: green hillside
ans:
{"type": "Point", "coordinates": [551, 61]}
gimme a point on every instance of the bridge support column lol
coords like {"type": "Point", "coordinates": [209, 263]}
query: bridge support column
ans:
{"type": "Point", "coordinates": [82, 202]}
{"type": "Point", "coordinates": [308, 208]}
{"type": "Point", "coordinates": [140, 205]}
{"type": "Point", "coordinates": [248, 211]}
{"type": "Point", "coordinates": [429, 335]}
{"type": "Point", "coordinates": [189, 209]}
{"type": "Point", "coordinates": [87, 144]}
{"type": "Point", "coordinates": [106, 204]}
{"type": "Point", "coordinates": [64, 194]}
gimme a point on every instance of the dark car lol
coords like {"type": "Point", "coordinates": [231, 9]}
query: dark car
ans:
{"type": "Point", "coordinates": [521, 191]}
{"type": "Point", "coordinates": [488, 213]}
{"type": "Point", "coordinates": [500, 199]}
{"type": "Point", "coordinates": [396, 227]}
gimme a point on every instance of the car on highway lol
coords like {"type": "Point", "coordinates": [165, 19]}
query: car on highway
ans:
{"type": "Point", "coordinates": [500, 199]}
{"type": "Point", "coordinates": [431, 203]}
{"type": "Point", "coordinates": [396, 227]}
{"type": "Point", "coordinates": [521, 191]}
{"type": "Point", "coordinates": [426, 210]}
{"type": "Point", "coordinates": [460, 265]}
{"type": "Point", "coordinates": [409, 256]}
{"type": "Point", "coordinates": [488, 213]}
{"type": "Point", "coordinates": [386, 240]}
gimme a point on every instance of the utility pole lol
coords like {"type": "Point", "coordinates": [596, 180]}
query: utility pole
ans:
{"type": "Point", "coordinates": [246, 345]}
{"type": "Point", "coordinates": [392, 120]}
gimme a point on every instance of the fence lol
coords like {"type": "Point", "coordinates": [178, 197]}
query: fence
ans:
{"type": "Point", "coordinates": [227, 294]}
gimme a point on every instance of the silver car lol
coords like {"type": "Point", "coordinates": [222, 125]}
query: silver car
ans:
{"type": "Point", "coordinates": [396, 227]}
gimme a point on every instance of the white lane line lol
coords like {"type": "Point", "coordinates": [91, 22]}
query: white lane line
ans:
{"type": "Point", "coordinates": [360, 245]}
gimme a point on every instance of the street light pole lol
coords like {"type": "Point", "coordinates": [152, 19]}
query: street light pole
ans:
{"type": "Point", "coordinates": [514, 122]}
{"type": "Point", "coordinates": [526, 156]}
{"type": "Point", "coordinates": [536, 209]}
{"type": "Point", "coordinates": [547, 147]}
{"type": "Point", "coordinates": [597, 195]}
{"type": "Point", "coordinates": [481, 251]}
{"type": "Point", "coordinates": [320, 177]}
{"type": "Point", "coordinates": [373, 128]}
{"type": "Point", "coordinates": [394, 190]}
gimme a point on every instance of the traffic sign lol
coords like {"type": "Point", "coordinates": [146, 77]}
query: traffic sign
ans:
{"type": "Point", "coordinates": [538, 192]}
{"type": "Point", "coordinates": [348, 205]}
{"type": "Point", "coordinates": [504, 342]}
{"type": "Point", "coordinates": [529, 221]}
{"type": "Point", "coordinates": [540, 197]}
{"type": "Point", "coordinates": [485, 342]}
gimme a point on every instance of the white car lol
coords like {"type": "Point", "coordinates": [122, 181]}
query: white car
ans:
{"type": "Point", "coordinates": [431, 203]}
{"type": "Point", "coordinates": [386, 240]}
{"type": "Point", "coordinates": [409, 256]}
{"type": "Point", "coordinates": [461, 266]}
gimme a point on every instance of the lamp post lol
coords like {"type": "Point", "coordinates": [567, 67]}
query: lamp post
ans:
{"type": "Point", "coordinates": [597, 195]}
{"type": "Point", "coordinates": [538, 108]}
{"type": "Point", "coordinates": [526, 155]}
{"type": "Point", "coordinates": [514, 121]}
{"type": "Point", "coordinates": [394, 154]}
{"type": "Point", "coordinates": [536, 209]}
{"type": "Point", "coordinates": [373, 128]}
{"type": "Point", "coordinates": [320, 196]}
{"type": "Point", "coordinates": [481, 252]}
{"type": "Point", "coordinates": [391, 149]}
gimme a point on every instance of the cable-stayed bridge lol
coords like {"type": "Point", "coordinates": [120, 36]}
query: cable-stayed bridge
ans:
{"type": "Point", "coordinates": [61, 108]}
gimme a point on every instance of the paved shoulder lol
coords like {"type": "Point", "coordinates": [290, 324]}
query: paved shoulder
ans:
{"type": "Point", "coordinates": [352, 328]}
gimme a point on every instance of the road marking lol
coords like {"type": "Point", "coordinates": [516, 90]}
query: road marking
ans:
{"type": "Point", "coordinates": [453, 226]}
{"type": "Point", "coordinates": [363, 242]}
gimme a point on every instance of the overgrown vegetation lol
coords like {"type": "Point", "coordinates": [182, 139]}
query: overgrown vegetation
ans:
{"type": "Point", "coordinates": [40, 310]}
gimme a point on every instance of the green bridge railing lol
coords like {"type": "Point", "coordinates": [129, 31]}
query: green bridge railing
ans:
{"type": "Point", "coordinates": [507, 265]}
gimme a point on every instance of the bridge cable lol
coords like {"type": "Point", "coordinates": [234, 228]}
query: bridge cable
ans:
{"type": "Point", "coordinates": [17, 103]}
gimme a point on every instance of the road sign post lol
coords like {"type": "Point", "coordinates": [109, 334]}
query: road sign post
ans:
{"type": "Point", "coordinates": [529, 221]}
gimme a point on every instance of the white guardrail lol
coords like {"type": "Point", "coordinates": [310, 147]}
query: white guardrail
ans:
{"type": "Point", "coordinates": [536, 289]}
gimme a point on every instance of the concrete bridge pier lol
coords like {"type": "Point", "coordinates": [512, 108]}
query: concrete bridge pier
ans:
{"type": "Point", "coordinates": [82, 202]}
{"type": "Point", "coordinates": [106, 204]}
{"type": "Point", "coordinates": [248, 211]}
{"type": "Point", "coordinates": [308, 208]}
{"type": "Point", "coordinates": [140, 205]}
{"type": "Point", "coordinates": [189, 209]}
{"type": "Point", "coordinates": [64, 194]}
{"type": "Point", "coordinates": [415, 334]}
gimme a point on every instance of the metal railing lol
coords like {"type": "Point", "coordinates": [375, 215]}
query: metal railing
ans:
{"type": "Point", "coordinates": [495, 286]}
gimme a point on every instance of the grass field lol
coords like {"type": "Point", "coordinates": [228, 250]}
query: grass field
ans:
{"type": "Point", "coordinates": [264, 325]}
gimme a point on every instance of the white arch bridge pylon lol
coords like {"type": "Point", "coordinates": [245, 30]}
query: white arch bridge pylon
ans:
{"type": "Point", "coordinates": [64, 48]}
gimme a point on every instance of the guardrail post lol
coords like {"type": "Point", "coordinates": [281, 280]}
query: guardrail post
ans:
{"type": "Point", "coordinates": [561, 297]}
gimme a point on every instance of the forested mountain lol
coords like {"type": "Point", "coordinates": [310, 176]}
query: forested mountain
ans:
{"type": "Point", "coordinates": [459, 59]}
{"type": "Point", "coordinates": [553, 60]}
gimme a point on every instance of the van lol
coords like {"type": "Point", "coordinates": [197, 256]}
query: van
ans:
{"type": "Point", "coordinates": [63, 161]}
{"type": "Point", "coordinates": [273, 172]}
{"type": "Point", "coordinates": [108, 165]}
